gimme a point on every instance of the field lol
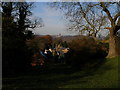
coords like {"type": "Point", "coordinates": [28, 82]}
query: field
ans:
{"type": "Point", "coordinates": [103, 75]}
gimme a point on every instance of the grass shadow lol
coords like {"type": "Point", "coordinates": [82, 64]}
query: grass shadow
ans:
{"type": "Point", "coordinates": [59, 75]}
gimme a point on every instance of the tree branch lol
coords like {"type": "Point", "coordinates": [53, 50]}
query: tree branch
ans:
{"type": "Point", "coordinates": [107, 11]}
{"type": "Point", "coordinates": [116, 16]}
{"type": "Point", "coordinates": [84, 15]}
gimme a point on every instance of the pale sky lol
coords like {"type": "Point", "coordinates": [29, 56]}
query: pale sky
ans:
{"type": "Point", "coordinates": [54, 20]}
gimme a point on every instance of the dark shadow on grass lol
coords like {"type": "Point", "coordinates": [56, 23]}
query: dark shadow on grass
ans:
{"type": "Point", "coordinates": [54, 75]}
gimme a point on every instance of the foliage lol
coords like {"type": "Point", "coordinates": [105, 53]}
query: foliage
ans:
{"type": "Point", "coordinates": [48, 39]}
{"type": "Point", "coordinates": [85, 50]}
{"type": "Point", "coordinates": [15, 23]}
{"type": "Point", "coordinates": [16, 56]}
{"type": "Point", "coordinates": [39, 43]}
{"type": "Point", "coordinates": [64, 44]}
{"type": "Point", "coordinates": [59, 41]}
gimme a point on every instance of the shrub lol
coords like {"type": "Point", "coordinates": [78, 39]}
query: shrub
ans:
{"type": "Point", "coordinates": [85, 50]}
{"type": "Point", "coordinates": [15, 56]}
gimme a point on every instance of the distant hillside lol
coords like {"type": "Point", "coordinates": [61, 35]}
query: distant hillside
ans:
{"type": "Point", "coordinates": [70, 38]}
{"type": "Point", "coordinates": [67, 38]}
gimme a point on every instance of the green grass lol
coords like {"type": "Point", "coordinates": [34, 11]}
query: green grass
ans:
{"type": "Point", "coordinates": [104, 75]}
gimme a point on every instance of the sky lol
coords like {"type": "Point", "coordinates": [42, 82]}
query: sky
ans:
{"type": "Point", "coordinates": [53, 20]}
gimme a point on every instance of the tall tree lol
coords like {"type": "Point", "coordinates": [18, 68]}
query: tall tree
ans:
{"type": "Point", "coordinates": [15, 22]}
{"type": "Point", "coordinates": [18, 14]}
{"type": "Point", "coordinates": [91, 17]}
{"type": "Point", "coordinates": [7, 18]}
{"type": "Point", "coordinates": [23, 13]}
{"type": "Point", "coordinates": [114, 19]}
{"type": "Point", "coordinates": [83, 17]}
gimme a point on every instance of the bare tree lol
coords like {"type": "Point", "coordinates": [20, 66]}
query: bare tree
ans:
{"type": "Point", "coordinates": [83, 17]}
{"type": "Point", "coordinates": [91, 17]}
{"type": "Point", "coordinates": [114, 19]}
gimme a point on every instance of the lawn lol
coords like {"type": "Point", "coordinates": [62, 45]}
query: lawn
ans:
{"type": "Point", "coordinates": [104, 75]}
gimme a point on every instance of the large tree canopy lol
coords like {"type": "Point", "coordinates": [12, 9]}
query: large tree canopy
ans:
{"type": "Point", "coordinates": [15, 31]}
{"type": "Point", "coordinates": [18, 14]}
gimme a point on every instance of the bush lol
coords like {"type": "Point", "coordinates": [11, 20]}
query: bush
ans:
{"type": "Point", "coordinates": [85, 50]}
{"type": "Point", "coordinates": [16, 57]}
{"type": "Point", "coordinates": [102, 50]}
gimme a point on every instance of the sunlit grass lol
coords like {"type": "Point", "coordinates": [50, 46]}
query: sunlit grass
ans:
{"type": "Point", "coordinates": [105, 77]}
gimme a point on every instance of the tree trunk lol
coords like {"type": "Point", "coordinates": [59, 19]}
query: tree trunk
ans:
{"type": "Point", "coordinates": [114, 45]}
